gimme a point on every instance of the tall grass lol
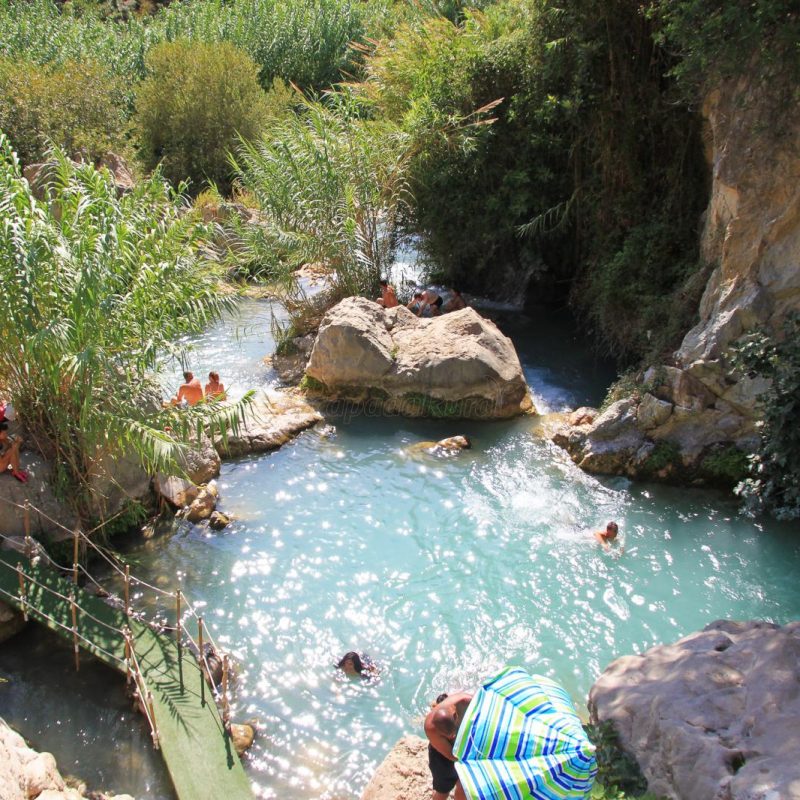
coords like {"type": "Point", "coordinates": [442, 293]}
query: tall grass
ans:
{"type": "Point", "coordinates": [303, 41]}
{"type": "Point", "coordinates": [95, 287]}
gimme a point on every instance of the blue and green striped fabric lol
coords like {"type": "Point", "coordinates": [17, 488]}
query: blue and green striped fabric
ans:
{"type": "Point", "coordinates": [521, 739]}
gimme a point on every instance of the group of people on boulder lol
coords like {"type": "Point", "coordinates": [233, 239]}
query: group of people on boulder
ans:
{"type": "Point", "coordinates": [191, 391]}
{"type": "Point", "coordinates": [424, 303]}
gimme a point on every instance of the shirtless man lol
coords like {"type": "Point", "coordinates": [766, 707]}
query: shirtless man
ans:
{"type": "Point", "coordinates": [9, 454]}
{"type": "Point", "coordinates": [455, 303]}
{"type": "Point", "coordinates": [441, 727]}
{"type": "Point", "coordinates": [190, 390]}
{"type": "Point", "coordinates": [388, 298]}
{"type": "Point", "coordinates": [608, 535]}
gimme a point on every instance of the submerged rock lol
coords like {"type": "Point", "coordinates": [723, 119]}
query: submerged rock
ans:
{"type": "Point", "coordinates": [456, 365]}
{"type": "Point", "coordinates": [713, 715]}
{"type": "Point", "coordinates": [218, 521]}
{"type": "Point", "coordinates": [403, 774]}
{"type": "Point", "coordinates": [243, 736]}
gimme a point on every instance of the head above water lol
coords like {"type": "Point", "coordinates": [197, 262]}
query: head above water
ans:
{"type": "Point", "coordinates": [612, 528]}
{"type": "Point", "coordinates": [351, 664]}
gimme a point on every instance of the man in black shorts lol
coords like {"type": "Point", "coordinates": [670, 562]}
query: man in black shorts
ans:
{"type": "Point", "coordinates": [441, 727]}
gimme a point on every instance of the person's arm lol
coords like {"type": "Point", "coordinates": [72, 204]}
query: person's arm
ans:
{"type": "Point", "coordinates": [438, 741]}
{"type": "Point", "coordinates": [600, 536]}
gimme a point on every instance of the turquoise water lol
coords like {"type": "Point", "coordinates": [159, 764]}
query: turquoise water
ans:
{"type": "Point", "coordinates": [443, 570]}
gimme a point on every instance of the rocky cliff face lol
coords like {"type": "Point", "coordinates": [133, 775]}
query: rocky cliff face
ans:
{"type": "Point", "coordinates": [693, 408]}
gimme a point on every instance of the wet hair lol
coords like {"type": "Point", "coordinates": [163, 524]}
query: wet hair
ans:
{"type": "Point", "coordinates": [612, 526]}
{"type": "Point", "coordinates": [356, 659]}
{"type": "Point", "coordinates": [214, 376]}
{"type": "Point", "coordinates": [187, 376]}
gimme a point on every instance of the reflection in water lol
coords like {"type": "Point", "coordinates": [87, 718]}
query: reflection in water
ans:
{"type": "Point", "coordinates": [444, 570]}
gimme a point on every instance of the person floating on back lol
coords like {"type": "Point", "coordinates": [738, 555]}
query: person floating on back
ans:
{"type": "Point", "coordinates": [214, 390]}
{"type": "Point", "coordinates": [190, 392]}
{"type": "Point", "coordinates": [388, 298]}
{"type": "Point", "coordinates": [608, 535]}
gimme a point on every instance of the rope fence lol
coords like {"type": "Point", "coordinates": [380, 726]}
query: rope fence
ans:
{"type": "Point", "coordinates": [182, 606]}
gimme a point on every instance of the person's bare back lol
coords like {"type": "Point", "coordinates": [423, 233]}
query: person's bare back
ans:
{"type": "Point", "coordinates": [441, 727]}
{"type": "Point", "coordinates": [190, 390]}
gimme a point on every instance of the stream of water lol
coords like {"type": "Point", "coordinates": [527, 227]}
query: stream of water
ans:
{"type": "Point", "coordinates": [442, 570]}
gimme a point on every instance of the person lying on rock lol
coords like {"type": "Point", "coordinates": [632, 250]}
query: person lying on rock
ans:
{"type": "Point", "coordinates": [388, 298]}
{"type": "Point", "coordinates": [455, 303]}
{"type": "Point", "coordinates": [441, 727]}
{"type": "Point", "coordinates": [190, 391]}
{"type": "Point", "coordinates": [433, 304]}
{"type": "Point", "coordinates": [214, 390]}
{"type": "Point", "coordinates": [608, 535]}
{"type": "Point", "coordinates": [9, 454]}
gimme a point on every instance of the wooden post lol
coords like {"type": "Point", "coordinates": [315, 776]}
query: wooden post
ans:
{"type": "Point", "coordinates": [152, 718]}
{"type": "Point", "coordinates": [127, 634]}
{"type": "Point", "coordinates": [226, 711]}
{"type": "Point", "coordinates": [23, 600]}
{"type": "Point", "coordinates": [75, 540]}
{"type": "Point", "coordinates": [127, 591]}
{"type": "Point", "coordinates": [75, 631]}
{"type": "Point", "coordinates": [178, 636]}
{"type": "Point", "coordinates": [202, 660]}
{"type": "Point", "coordinates": [26, 522]}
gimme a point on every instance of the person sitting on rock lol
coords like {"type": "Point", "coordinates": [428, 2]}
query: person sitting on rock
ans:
{"type": "Point", "coordinates": [441, 727]}
{"type": "Point", "coordinates": [214, 390]}
{"type": "Point", "coordinates": [388, 298]}
{"type": "Point", "coordinates": [455, 303]}
{"type": "Point", "coordinates": [416, 304]}
{"type": "Point", "coordinates": [9, 454]}
{"type": "Point", "coordinates": [608, 535]}
{"type": "Point", "coordinates": [190, 392]}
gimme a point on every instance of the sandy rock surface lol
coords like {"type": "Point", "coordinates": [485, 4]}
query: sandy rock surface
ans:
{"type": "Point", "coordinates": [458, 364]}
{"type": "Point", "coordinates": [403, 774]}
{"type": "Point", "coordinates": [715, 716]}
{"type": "Point", "coordinates": [273, 419]}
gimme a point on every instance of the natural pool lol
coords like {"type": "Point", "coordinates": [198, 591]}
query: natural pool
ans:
{"type": "Point", "coordinates": [441, 569]}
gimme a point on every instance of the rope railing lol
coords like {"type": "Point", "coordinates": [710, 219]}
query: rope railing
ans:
{"type": "Point", "coordinates": [145, 695]}
{"type": "Point", "coordinates": [220, 688]}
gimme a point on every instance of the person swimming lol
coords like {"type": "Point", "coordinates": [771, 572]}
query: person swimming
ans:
{"type": "Point", "coordinates": [608, 535]}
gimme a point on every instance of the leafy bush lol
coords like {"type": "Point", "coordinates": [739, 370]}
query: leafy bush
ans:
{"type": "Point", "coordinates": [774, 484]}
{"type": "Point", "coordinates": [195, 103]}
{"type": "Point", "coordinates": [331, 186]}
{"type": "Point", "coordinates": [76, 106]}
{"type": "Point", "coordinates": [726, 466]}
{"type": "Point", "coordinates": [616, 768]}
{"type": "Point", "coordinates": [96, 287]}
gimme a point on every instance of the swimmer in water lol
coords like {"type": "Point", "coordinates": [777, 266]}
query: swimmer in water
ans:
{"type": "Point", "coordinates": [607, 536]}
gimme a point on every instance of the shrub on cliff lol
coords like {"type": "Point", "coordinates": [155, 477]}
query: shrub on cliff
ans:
{"type": "Point", "coordinates": [95, 288]}
{"type": "Point", "coordinates": [77, 106]}
{"type": "Point", "coordinates": [195, 104]}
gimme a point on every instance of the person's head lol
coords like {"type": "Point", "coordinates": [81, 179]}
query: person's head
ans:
{"type": "Point", "coordinates": [444, 723]}
{"type": "Point", "coordinates": [383, 282]}
{"type": "Point", "coordinates": [351, 664]}
{"type": "Point", "coordinates": [188, 376]}
{"type": "Point", "coordinates": [440, 698]}
{"type": "Point", "coordinates": [213, 376]}
{"type": "Point", "coordinates": [419, 296]}
{"type": "Point", "coordinates": [612, 529]}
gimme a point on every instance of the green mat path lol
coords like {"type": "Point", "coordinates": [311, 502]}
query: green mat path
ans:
{"type": "Point", "coordinates": [197, 749]}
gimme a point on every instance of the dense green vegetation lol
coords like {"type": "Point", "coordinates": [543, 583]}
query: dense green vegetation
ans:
{"type": "Point", "coordinates": [774, 483]}
{"type": "Point", "coordinates": [95, 289]}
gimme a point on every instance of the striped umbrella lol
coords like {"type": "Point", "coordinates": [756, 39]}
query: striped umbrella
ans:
{"type": "Point", "coordinates": [521, 739]}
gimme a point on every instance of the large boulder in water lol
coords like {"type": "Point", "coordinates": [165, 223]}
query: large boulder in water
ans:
{"type": "Point", "coordinates": [456, 365]}
{"type": "Point", "coordinates": [713, 716]}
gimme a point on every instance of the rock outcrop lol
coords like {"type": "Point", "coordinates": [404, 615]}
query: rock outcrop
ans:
{"type": "Point", "coordinates": [11, 621]}
{"type": "Point", "coordinates": [456, 365]}
{"type": "Point", "coordinates": [697, 402]}
{"type": "Point", "coordinates": [713, 716]}
{"type": "Point", "coordinates": [273, 419]}
{"type": "Point", "coordinates": [28, 775]}
{"type": "Point", "coordinates": [403, 774]}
